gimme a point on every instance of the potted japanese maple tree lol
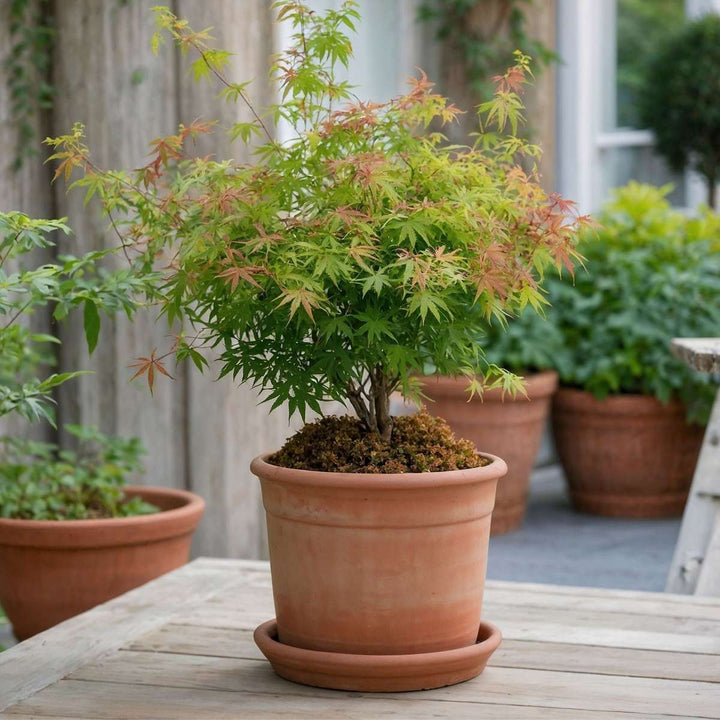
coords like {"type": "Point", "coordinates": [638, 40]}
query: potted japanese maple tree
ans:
{"type": "Point", "coordinates": [336, 268]}
{"type": "Point", "coordinates": [73, 534]}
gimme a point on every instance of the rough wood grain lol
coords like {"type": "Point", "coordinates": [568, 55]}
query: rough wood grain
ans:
{"type": "Point", "coordinates": [111, 701]}
{"type": "Point", "coordinates": [108, 78]}
{"type": "Point", "coordinates": [656, 606]}
{"type": "Point", "coordinates": [499, 685]}
{"type": "Point", "coordinates": [226, 426]}
{"type": "Point", "coordinates": [709, 578]}
{"type": "Point", "coordinates": [50, 656]}
{"type": "Point", "coordinates": [702, 354]}
{"type": "Point", "coordinates": [700, 513]}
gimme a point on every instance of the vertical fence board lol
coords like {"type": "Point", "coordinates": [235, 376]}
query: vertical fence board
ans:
{"type": "Point", "coordinates": [107, 77]}
{"type": "Point", "coordinates": [226, 426]}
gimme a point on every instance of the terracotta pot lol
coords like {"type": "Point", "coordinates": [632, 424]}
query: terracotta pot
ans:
{"type": "Point", "coordinates": [378, 564]}
{"type": "Point", "coordinates": [52, 570]}
{"type": "Point", "coordinates": [510, 428]}
{"type": "Point", "coordinates": [626, 456]}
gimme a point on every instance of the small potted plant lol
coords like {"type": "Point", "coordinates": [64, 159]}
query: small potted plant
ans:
{"type": "Point", "coordinates": [71, 534]}
{"type": "Point", "coordinates": [510, 426]}
{"type": "Point", "coordinates": [335, 268]}
{"type": "Point", "coordinates": [628, 418]}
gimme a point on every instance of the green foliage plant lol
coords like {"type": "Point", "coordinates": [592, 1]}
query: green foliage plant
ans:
{"type": "Point", "coordinates": [341, 263]}
{"type": "Point", "coordinates": [38, 481]}
{"type": "Point", "coordinates": [71, 282]}
{"type": "Point", "coordinates": [652, 274]}
{"type": "Point", "coordinates": [524, 344]}
{"type": "Point", "coordinates": [680, 101]}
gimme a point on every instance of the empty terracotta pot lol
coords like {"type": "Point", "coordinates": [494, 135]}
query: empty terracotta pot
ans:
{"type": "Point", "coordinates": [625, 456]}
{"type": "Point", "coordinates": [378, 564]}
{"type": "Point", "coordinates": [509, 427]}
{"type": "Point", "coordinates": [51, 570]}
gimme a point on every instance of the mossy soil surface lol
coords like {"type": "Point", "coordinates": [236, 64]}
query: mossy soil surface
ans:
{"type": "Point", "coordinates": [419, 443]}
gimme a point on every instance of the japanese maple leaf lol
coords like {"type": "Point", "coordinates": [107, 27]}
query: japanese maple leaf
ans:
{"type": "Point", "coordinates": [149, 366]}
{"type": "Point", "coordinates": [236, 273]}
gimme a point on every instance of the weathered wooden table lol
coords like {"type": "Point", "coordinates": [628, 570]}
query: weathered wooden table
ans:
{"type": "Point", "coordinates": [181, 647]}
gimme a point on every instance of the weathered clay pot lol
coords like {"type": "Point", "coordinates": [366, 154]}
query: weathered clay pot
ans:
{"type": "Point", "coordinates": [627, 455]}
{"type": "Point", "coordinates": [52, 570]}
{"type": "Point", "coordinates": [509, 427]}
{"type": "Point", "coordinates": [378, 564]}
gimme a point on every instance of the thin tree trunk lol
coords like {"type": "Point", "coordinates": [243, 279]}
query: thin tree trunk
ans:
{"type": "Point", "coordinates": [381, 399]}
{"type": "Point", "coordinates": [711, 191]}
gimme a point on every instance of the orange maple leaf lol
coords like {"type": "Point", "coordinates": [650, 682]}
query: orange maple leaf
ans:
{"type": "Point", "coordinates": [149, 365]}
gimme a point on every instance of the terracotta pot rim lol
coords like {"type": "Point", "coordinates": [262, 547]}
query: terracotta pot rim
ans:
{"type": "Point", "coordinates": [378, 481]}
{"type": "Point", "coordinates": [638, 403]}
{"type": "Point", "coordinates": [102, 532]}
{"type": "Point", "coordinates": [538, 385]}
{"type": "Point", "coordinates": [265, 637]}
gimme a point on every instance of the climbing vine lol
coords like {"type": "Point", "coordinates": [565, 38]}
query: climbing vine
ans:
{"type": "Point", "coordinates": [487, 50]}
{"type": "Point", "coordinates": [27, 69]}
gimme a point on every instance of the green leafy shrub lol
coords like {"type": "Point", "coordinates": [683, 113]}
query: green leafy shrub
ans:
{"type": "Point", "coordinates": [40, 482]}
{"type": "Point", "coordinates": [69, 283]}
{"type": "Point", "coordinates": [37, 480]}
{"type": "Point", "coordinates": [680, 100]}
{"type": "Point", "coordinates": [523, 344]}
{"type": "Point", "coordinates": [652, 274]}
{"type": "Point", "coordinates": [343, 261]}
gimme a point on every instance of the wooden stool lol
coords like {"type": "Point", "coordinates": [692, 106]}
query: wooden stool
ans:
{"type": "Point", "coordinates": [696, 564]}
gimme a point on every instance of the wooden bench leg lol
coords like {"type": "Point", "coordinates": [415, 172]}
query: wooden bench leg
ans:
{"type": "Point", "coordinates": [697, 553]}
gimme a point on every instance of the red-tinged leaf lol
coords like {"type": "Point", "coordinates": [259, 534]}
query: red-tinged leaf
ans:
{"type": "Point", "coordinates": [234, 274]}
{"type": "Point", "coordinates": [149, 366]}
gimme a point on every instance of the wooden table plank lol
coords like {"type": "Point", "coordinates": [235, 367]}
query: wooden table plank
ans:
{"type": "Point", "coordinates": [702, 354]}
{"type": "Point", "coordinates": [497, 685]}
{"type": "Point", "coordinates": [646, 604]}
{"type": "Point", "coordinates": [50, 656]}
{"type": "Point", "coordinates": [230, 643]}
{"type": "Point", "coordinates": [568, 653]}
{"type": "Point", "coordinates": [112, 701]}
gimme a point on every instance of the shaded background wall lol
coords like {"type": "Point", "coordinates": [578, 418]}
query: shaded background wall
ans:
{"type": "Point", "coordinates": [200, 433]}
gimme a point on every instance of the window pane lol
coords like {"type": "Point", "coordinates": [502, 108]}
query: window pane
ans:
{"type": "Point", "coordinates": [641, 25]}
{"type": "Point", "coordinates": [619, 165]}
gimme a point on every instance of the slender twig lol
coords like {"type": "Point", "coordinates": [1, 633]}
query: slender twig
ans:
{"type": "Point", "coordinates": [9, 249]}
{"type": "Point", "coordinates": [14, 317]}
{"type": "Point", "coordinates": [225, 82]}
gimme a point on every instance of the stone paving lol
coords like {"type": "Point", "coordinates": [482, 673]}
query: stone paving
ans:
{"type": "Point", "coordinates": [559, 546]}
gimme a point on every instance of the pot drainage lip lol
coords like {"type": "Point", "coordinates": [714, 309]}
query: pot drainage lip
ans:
{"type": "Point", "coordinates": [377, 673]}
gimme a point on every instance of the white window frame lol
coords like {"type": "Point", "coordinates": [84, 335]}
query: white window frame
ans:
{"type": "Point", "coordinates": [586, 39]}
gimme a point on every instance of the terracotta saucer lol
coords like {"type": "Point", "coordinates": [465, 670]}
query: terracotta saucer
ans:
{"type": "Point", "coordinates": [377, 673]}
